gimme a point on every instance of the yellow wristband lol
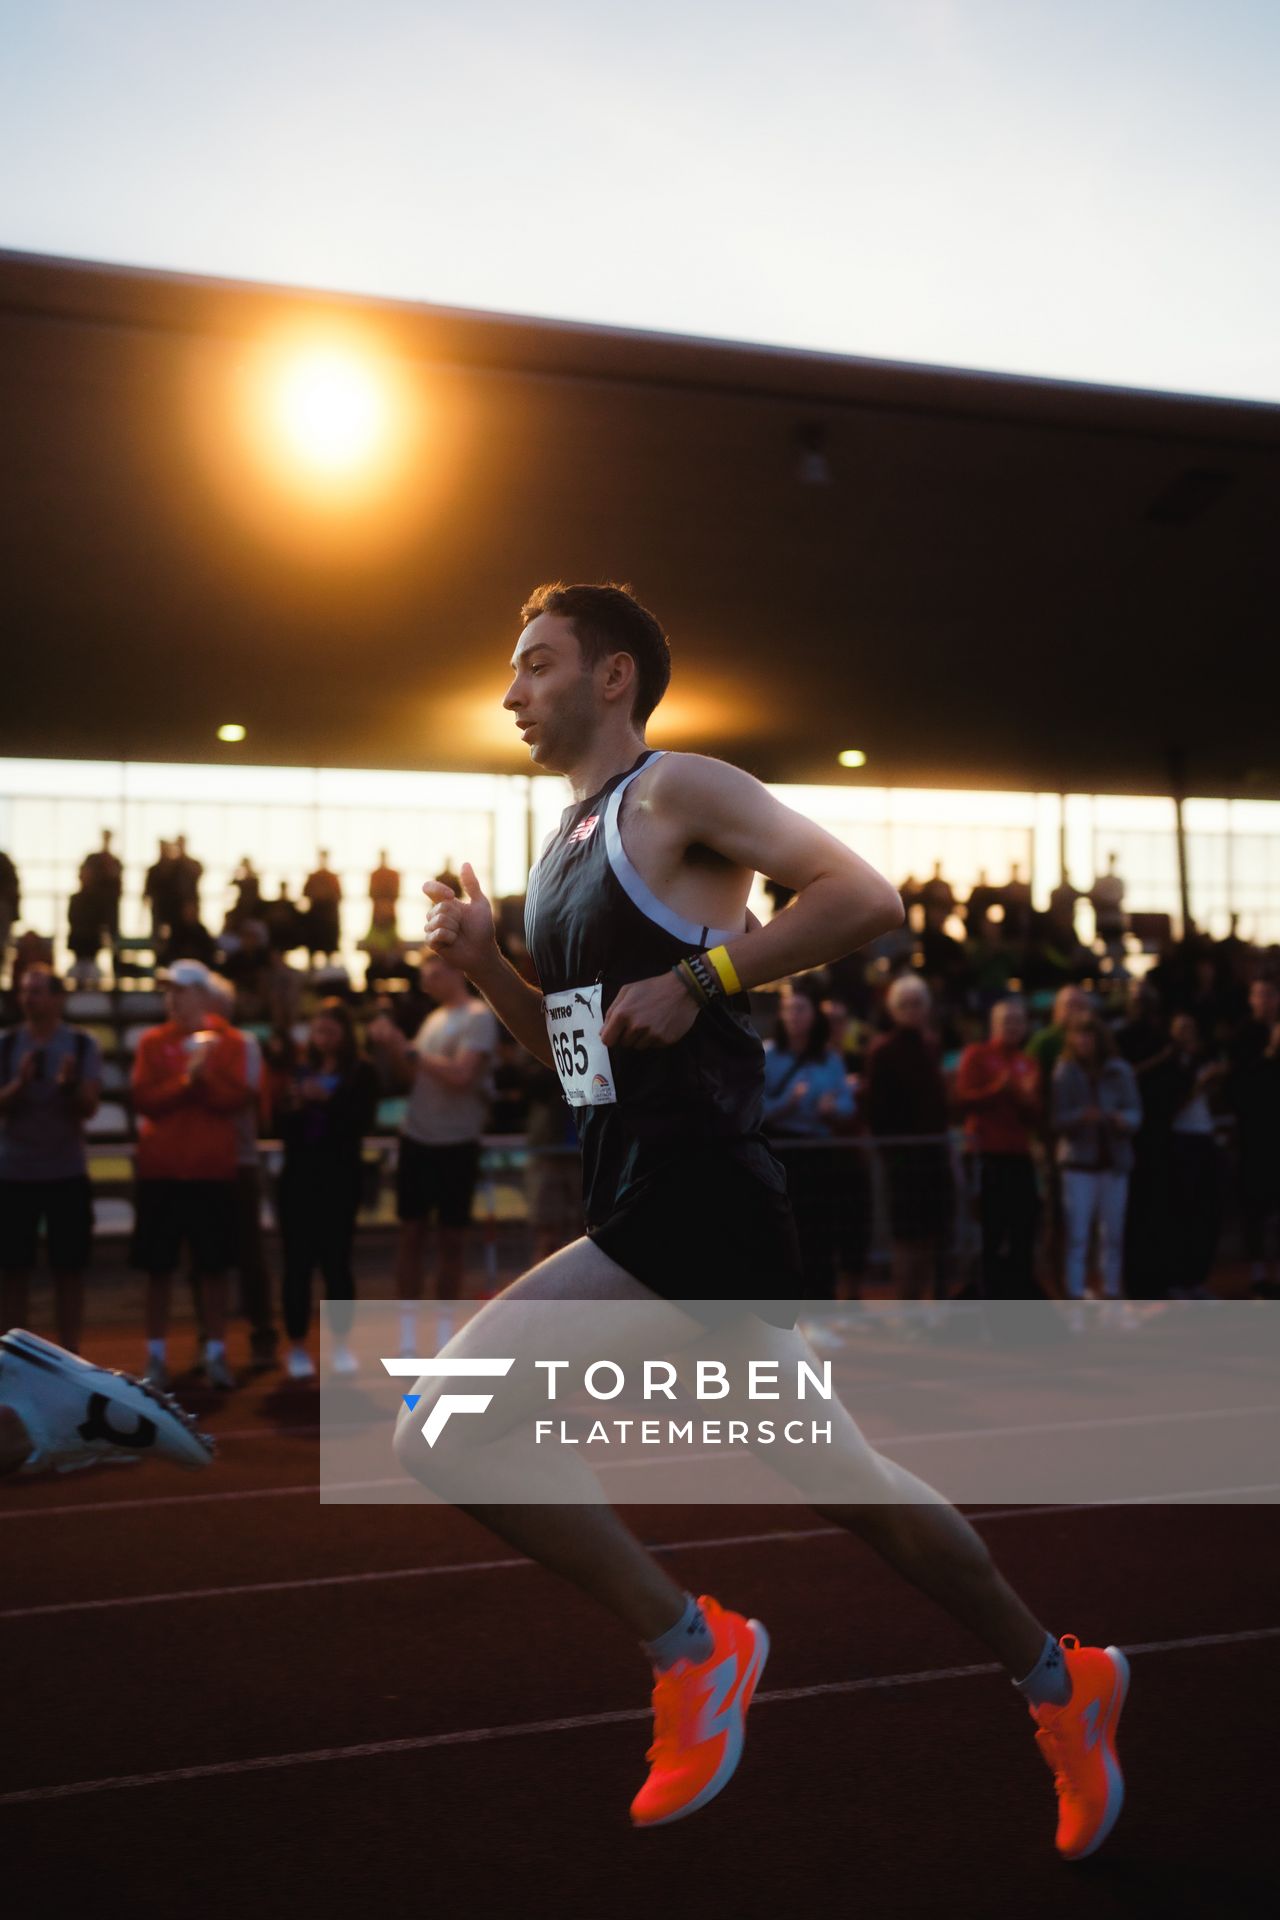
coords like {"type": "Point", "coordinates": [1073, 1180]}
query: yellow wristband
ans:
{"type": "Point", "coordinates": [719, 958]}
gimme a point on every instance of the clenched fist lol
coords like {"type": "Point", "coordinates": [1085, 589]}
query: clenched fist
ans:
{"type": "Point", "coordinates": [460, 931]}
{"type": "Point", "coordinates": [650, 1013]}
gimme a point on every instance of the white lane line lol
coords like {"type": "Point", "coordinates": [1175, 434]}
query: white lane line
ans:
{"type": "Point", "coordinates": [351, 1486]}
{"type": "Point", "coordinates": [156, 1500]}
{"type": "Point", "coordinates": [475, 1736]}
{"type": "Point", "coordinates": [780, 1536]}
{"type": "Point", "coordinates": [1100, 1423]}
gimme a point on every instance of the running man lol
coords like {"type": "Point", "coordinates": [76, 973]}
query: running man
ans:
{"type": "Point", "coordinates": [637, 912]}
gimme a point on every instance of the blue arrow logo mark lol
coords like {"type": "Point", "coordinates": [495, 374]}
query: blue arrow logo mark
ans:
{"type": "Point", "coordinates": [411, 1400]}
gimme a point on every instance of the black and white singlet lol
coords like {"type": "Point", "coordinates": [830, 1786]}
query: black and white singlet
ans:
{"type": "Point", "coordinates": [592, 926]}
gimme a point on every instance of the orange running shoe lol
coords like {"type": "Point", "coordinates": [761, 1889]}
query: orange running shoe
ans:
{"type": "Point", "coordinates": [1078, 1741]}
{"type": "Point", "coordinates": [700, 1716]}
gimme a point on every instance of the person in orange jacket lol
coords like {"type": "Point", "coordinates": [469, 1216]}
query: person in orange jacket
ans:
{"type": "Point", "coordinates": [190, 1080]}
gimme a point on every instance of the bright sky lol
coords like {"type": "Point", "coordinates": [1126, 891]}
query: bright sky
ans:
{"type": "Point", "coordinates": [1080, 188]}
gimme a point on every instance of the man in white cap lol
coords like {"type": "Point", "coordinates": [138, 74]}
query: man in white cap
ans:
{"type": "Point", "coordinates": [190, 1080]}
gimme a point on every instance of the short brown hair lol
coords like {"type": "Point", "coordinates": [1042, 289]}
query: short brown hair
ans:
{"type": "Point", "coordinates": [609, 619]}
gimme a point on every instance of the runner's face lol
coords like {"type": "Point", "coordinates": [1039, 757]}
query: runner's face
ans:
{"type": "Point", "coordinates": [552, 696]}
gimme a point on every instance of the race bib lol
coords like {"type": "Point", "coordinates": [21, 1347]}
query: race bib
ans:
{"type": "Point", "coordinates": [582, 1060]}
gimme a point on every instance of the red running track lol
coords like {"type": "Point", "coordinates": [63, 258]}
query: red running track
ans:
{"type": "Point", "coordinates": [220, 1697]}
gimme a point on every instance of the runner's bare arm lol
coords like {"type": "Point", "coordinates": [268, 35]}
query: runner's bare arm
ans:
{"type": "Point", "coordinates": [841, 901]}
{"type": "Point", "coordinates": [461, 932]}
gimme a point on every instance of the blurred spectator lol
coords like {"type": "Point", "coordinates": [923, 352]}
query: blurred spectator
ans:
{"type": "Point", "coordinates": [1142, 1039]}
{"type": "Point", "coordinates": [1015, 897]}
{"type": "Point", "coordinates": [1095, 1110]}
{"type": "Point", "coordinates": [1253, 1093]}
{"type": "Point", "coordinates": [160, 892]}
{"type": "Point", "coordinates": [324, 1106]}
{"type": "Point", "coordinates": [102, 878]}
{"type": "Point", "coordinates": [248, 966]}
{"type": "Point", "coordinates": [190, 1080]}
{"type": "Point", "coordinates": [248, 901]}
{"type": "Point", "coordinates": [906, 1097]}
{"type": "Point", "coordinates": [10, 901]}
{"type": "Point", "coordinates": [1107, 897]}
{"type": "Point", "coordinates": [982, 897]}
{"type": "Point", "coordinates": [807, 1099]}
{"type": "Point", "coordinates": [1044, 1047]}
{"type": "Point", "coordinates": [1060, 921]}
{"type": "Point", "coordinates": [323, 892]}
{"type": "Point", "coordinates": [848, 1036]}
{"type": "Point", "coordinates": [553, 1183]}
{"type": "Point", "coordinates": [992, 961]}
{"type": "Point", "coordinates": [84, 933]}
{"type": "Point", "coordinates": [50, 1081]}
{"type": "Point", "coordinates": [1195, 1184]}
{"type": "Point", "coordinates": [30, 949]}
{"type": "Point", "coordinates": [284, 921]}
{"type": "Point", "coordinates": [187, 872]}
{"type": "Point", "coordinates": [382, 943]}
{"type": "Point", "coordinates": [937, 898]}
{"type": "Point", "coordinates": [384, 887]}
{"type": "Point", "coordinates": [446, 1070]}
{"type": "Point", "coordinates": [250, 1258]}
{"type": "Point", "coordinates": [997, 1088]}
{"type": "Point", "coordinates": [509, 1086]}
{"type": "Point", "coordinates": [189, 938]}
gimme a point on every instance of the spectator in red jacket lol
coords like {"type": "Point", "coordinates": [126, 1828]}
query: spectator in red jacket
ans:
{"type": "Point", "coordinates": [190, 1081]}
{"type": "Point", "coordinates": [997, 1088]}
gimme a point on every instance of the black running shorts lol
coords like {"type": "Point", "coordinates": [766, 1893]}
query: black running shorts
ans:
{"type": "Point", "coordinates": [172, 1214]}
{"type": "Point", "coordinates": [708, 1228]}
{"type": "Point", "coordinates": [63, 1207]}
{"type": "Point", "coordinates": [437, 1180]}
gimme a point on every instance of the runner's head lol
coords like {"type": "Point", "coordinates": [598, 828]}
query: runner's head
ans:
{"type": "Point", "coordinates": [588, 659]}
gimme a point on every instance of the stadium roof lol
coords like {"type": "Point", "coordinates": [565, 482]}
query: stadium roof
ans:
{"type": "Point", "coordinates": [979, 580]}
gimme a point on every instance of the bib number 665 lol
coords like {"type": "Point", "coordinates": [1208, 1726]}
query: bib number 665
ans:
{"type": "Point", "coordinates": [569, 1050]}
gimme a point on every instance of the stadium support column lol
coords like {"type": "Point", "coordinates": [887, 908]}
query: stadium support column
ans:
{"type": "Point", "coordinates": [1178, 786]}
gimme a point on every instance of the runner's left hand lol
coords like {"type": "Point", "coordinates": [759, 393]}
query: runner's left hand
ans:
{"type": "Point", "coordinates": [650, 1013]}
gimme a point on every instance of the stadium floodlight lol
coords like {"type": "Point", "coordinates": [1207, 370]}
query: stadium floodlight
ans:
{"type": "Point", "coordinates": [332, 410]}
